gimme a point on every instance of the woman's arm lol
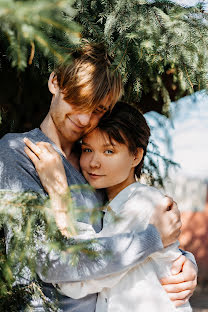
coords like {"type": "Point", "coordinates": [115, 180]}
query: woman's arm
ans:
{"type": "Point", "coordinates": [52, 174]}
{"type": "Point", "coordinates": [79, 290]}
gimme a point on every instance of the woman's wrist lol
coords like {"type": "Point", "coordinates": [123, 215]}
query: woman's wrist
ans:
{"type": "Point", "coordinates": [62, 216]}
{"type": "Point", "coordinates": [58, 191]}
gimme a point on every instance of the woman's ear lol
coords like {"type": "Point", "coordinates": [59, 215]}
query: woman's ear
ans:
{"type": "Point", "coordinates": [138, 156]}
{"type": "Point", "coordinates": [53, 84]}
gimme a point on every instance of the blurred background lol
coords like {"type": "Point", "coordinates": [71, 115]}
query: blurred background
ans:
{"type": "Point", "coordinates": [184, 137]}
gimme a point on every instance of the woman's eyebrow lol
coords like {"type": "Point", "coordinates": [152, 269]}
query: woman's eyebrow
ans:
{"type": "Point", "coordinates": [109, 144]}
{"type": "Point", "coordinates": [84, 143]}
{"type": "Point", "coordinates": [105, 145]}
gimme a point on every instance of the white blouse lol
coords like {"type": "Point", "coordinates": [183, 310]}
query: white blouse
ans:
{"type": "Point", "coordinates": [137, 289]}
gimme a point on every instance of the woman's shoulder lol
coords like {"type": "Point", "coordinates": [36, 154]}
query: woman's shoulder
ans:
{"type": "Point", "coordinates": [143, 192]}
{"type": "Point", "coordinates": [140, 204]}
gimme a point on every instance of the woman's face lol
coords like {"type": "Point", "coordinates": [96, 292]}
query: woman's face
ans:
{"type": "Point", "coordinates": [106, 164]}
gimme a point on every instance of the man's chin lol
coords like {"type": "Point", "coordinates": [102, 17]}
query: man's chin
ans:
{"type": "Point", "coordinates": [73, 137]}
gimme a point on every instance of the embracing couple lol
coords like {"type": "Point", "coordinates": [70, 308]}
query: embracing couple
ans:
{"type": "Point", "coordinates": [139, 267]}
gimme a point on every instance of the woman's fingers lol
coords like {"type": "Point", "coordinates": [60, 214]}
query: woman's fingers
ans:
{"type": "Point", "coordinates": [31, 155]}
{"type": "Point", "coordinates": [43, 150]}
{"type": "Point", "coordinates": [47, 149]}
{"type": "Point", "coordinates": [33, 147]}
{"type": "Point", "coordinates": [166, 219]}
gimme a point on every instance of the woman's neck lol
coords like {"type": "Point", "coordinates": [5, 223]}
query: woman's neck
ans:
{"type": "Point", "coordinates": [112, 191]}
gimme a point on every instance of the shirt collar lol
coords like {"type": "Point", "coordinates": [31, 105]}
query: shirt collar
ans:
{"type": "Point", "coordinates": [117, 202]}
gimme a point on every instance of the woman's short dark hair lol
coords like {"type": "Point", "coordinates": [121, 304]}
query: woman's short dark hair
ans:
{"type": "Point", "coordinates": [127, 125]}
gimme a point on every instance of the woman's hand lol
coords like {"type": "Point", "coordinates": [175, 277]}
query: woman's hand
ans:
{"type": "Point", "coordinates": [166, 218]}
{"type": "Point", "coordinates": [49, 167]}
{"type": "Point", "coordinates": [181, 285]}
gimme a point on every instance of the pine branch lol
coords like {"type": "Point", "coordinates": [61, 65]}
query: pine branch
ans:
{"type": "Point", "coordinates": [41, 21]}
{"type": "Point", "coordinates": [168, 35]}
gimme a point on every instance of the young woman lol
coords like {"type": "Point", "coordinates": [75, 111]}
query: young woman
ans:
{"type": "Point", "coordinates": [112, 157]}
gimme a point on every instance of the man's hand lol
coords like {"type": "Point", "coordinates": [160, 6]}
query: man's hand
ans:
{"type": "Point", "coordinates": [181, 285]}
{"type": "Point", "coordinates": [166, 219]}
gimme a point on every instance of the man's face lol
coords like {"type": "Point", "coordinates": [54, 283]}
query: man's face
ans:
{"type": "Point", "coordinates": [71, 122]}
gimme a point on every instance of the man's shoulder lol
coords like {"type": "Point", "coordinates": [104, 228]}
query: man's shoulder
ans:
{"type": "Point", "coordinates": [10, 141]}
{"type": "Point", "coordinates": [9, 138]}
{"type": "Point", "coordinates": [17, 172]}
{"type": "Point", "coordinates": [12, 149]}
{"type": "Point", "coordinates": [13, 142]}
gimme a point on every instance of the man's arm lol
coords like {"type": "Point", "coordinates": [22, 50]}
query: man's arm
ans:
{"type": "Point", "coordinates": [78, 290]}
{"type": "Point", "coordinates": [179, 292]}
{"type": "Point", "coordinates": [181, 285]}
{"type": "Point", "coordinates": [113, 254]}
{"type": "Point", "coordinates": [116, 253]}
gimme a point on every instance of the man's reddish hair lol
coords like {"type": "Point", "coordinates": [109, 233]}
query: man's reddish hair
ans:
{"type": "Point", "coordinates": [89, 79]}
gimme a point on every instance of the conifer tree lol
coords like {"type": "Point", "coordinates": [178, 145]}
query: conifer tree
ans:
{"type": "Point", "coordinates": [159, 47]}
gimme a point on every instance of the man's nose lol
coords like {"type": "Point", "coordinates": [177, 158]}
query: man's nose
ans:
{"type": "Point", "coordinates": [84, 119]}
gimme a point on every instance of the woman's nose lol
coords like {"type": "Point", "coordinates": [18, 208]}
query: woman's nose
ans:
{"type": "Point", "coordinates": [95, 163]}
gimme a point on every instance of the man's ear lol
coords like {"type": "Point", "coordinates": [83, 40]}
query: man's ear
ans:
{"type": "Point", "coordinates": [53, 84]}
{"type": "Point", "coordinates": [138, 156]}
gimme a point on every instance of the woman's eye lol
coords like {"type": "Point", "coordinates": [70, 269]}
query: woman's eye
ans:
{"type": "Point", "coordinates": [108, 152]}
{"type": "Point", "coordinates": [86, 150]}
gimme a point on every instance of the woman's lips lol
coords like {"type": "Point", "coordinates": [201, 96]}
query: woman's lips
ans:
{"type": "Point", "coordinates": [94, 176]}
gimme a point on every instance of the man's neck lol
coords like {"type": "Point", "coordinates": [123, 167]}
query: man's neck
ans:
{"type": "Point", "coordinates": [50, 130]}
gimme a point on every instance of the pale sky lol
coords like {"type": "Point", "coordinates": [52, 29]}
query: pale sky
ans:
{"type": "Point", "coordinates": [189, 134]}
{"type": "Point", "coordinates": [189, 2]}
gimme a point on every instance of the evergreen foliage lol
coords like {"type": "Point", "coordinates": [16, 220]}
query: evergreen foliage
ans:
{"type": "Point", "coordinates": [29, 28]}
{"type": "Point", "coordinates": [30, 225]}
{"type": "Point", "coordinates": [159, 47]}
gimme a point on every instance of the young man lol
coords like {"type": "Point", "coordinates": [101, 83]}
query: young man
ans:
{"type": "Point", "coordinates": [81, 93]}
